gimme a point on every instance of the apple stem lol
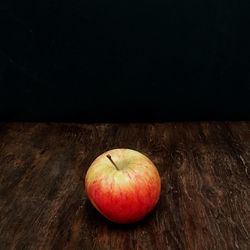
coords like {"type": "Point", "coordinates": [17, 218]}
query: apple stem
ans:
{"type": "Point", "coordinates": [110, 158]}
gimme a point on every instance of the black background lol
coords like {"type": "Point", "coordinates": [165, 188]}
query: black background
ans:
{"type": "Point", "coordinates": [94, 61]}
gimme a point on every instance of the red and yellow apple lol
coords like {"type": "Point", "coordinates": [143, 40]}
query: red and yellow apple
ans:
{"type": "Point", "coordinates": [123, 185]}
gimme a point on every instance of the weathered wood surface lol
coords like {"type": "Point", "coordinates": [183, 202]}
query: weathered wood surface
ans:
{"type": "Point", "coordinates": [204, 168]}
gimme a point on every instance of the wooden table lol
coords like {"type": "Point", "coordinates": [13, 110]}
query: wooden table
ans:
{"type": "Point", "coordinates": [204, 168]}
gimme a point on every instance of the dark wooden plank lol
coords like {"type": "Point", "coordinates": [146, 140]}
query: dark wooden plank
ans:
{"type": "Point", "coordinates": [204, 168]}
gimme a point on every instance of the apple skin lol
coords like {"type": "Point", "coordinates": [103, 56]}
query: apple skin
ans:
{"type": "Point", "coordinates": [125, 195]}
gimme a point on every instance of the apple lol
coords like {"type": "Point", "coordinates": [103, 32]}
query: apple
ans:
{"type": "Point", "coordinates": [123, 185]}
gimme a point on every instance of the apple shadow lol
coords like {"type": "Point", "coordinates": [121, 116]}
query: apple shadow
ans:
{"type": "Point", "coordinates": [96, 219]}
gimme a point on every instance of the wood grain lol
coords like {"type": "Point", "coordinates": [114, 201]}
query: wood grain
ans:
{"type": "Point", "coordinates": [205, 174]}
